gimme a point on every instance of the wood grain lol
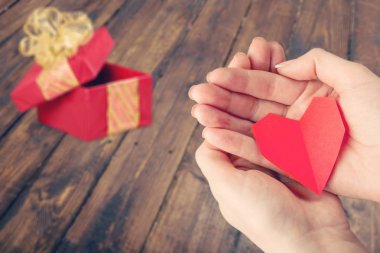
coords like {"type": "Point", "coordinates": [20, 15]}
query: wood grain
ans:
{"type": "Point", "coordinates": [365, 44]}
{"type": "Point", "coordinates": [5, 5]}
{"type": "Point", "coordinates": [9, 25]}
{"type": "Point", "coordinates": [189, 208]}
{"type": "Point", "coordinates": [132, 189]}
{"type": "Point", "coordinates": [272, 20]}
{"type": "Point", "coordinates": [324, 24]}
{"type": "Point", "coordinates": [10, 35]}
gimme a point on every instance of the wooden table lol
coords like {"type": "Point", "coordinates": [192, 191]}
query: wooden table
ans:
{"type": "Point", "coordinates": [142, 191]}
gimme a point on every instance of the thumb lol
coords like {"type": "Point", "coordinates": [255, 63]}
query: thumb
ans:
{"type": "Point", "coordinates": [217, 168]}
{"type": "Point", "coordinates": [336, 72]}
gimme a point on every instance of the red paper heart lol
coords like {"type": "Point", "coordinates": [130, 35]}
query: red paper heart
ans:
{"type": "Point", "coordinates": [306, 149]}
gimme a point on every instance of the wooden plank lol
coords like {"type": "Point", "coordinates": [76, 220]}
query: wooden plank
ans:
{"type": "Point", "coordinates": [21, 156]}
{"type": "Point", "coordinates": [5, 5]}
{"type": "Point", "coordinates": [9, 24]}
{"type": "Point", "coordinates": [44, 211]}
{"type": "Point", "coordinates": [365, 45]}
{"type": "Point", "coordinates": [189, 219]}
{"type": "Point", "coordinates": [375, 229]}
{"type": "Point", "coordinates": [269, 19]}
{"type": "Point", "coordinates": [365, 48]}
{"type": "Point", "coordinates": [364, 221]}
{"type": "Point", "coordinates": [13, 65]}
{"type": "Point", "coordinates": [189, 207]}
{"type": "Point", "coordinates": [245, 245]}
{"type": "Point", "coordinates": [121, 210]}
{"type": "Point", "coordinates": [323, 24]}
{"type": "Point", "coordinates": [31, 139]}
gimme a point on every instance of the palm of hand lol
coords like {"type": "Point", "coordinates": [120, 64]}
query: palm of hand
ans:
{"type": "Point", "coordinates": [360, 157]}
{"type": "Point", "coordinates": [264, 206]}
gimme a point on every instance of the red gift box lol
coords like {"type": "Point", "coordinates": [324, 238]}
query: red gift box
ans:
{"type": "Point", "coordinates": [86, 97]}
{"type": "Point", "coordinates": [118, 99]}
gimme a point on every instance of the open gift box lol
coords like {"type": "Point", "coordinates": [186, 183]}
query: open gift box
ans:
{"type": "Point", "coordinates": [117, 100]}
{"type": "Point", "coordinates": [86, 97]}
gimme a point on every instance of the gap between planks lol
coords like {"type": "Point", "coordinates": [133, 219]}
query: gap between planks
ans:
{"type": "Point", "coordinates": [351, 41]}
{"type": "Point", "coordinates": [7, 7]}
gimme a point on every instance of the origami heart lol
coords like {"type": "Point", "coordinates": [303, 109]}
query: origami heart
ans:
{"type": "Point", "coordinates": [306, 149]}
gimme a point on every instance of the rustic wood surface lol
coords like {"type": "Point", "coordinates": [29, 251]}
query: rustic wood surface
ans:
{"type": "Point", "coordinates": [141, 191]}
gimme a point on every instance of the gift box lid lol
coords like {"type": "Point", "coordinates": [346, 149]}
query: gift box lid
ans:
{"type": "Point", "coordinates": [39, 85]}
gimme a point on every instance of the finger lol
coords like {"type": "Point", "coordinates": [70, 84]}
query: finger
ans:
{"type": "Point", "coordinates": [277, 55]}
{"type": "Point", "coordinates": [217, 169]}
{"type": "Point", "coordinates": [240, 105]}
{"type": "Point", "coordinates": [330, 69]}
{"type": "Point", "coordinates": [236, 144]}
{"type": "Point", "coordinates": [260, 84]}
{"type": "Point", "coordinates": [211, 117]}
{"type": "Point", "coordinates": [240, 61]}
{"type": "Point", "coordinates": [259, 53]}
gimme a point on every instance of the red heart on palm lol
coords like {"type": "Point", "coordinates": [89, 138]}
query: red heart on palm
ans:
{"type": "Point", "coordinates": [305, 149]}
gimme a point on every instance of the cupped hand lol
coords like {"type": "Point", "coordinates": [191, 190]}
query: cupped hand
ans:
{"type": "Point", "coordinates": [277, 217]}
{"type": "Point", "coordinates": [250, 198]}
{"type": "Point", "coordinates": [234, 98]}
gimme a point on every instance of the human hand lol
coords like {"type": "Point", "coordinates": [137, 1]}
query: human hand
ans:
{"type": "Point", "coordinates": [259, 205]}
{"type": "Point", "coordinates": [252, 94]}
{"type": "Point", "coordinates": [276, 216]}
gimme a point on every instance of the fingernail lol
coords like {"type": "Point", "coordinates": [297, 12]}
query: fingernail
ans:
{"type": "Point", "coordinates": [189, 93]}
{"type": "Point", "coordinates": [283, 64]}
{"type": "Point", "coordinates": [208, 77]}
{"type": "Point", "coordinates": [192, 111]}
{"type": "Point", "coordinates": [279, 65]}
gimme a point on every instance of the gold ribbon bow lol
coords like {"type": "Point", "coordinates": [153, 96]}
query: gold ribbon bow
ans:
{"type": "Point", "coordinates": [53, 35]}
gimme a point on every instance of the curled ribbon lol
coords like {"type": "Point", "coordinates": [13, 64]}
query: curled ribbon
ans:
{"type": "Point", "coordinates": [53, 35]}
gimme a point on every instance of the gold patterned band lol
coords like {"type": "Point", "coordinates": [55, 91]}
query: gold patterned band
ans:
{"type": "Point", "coordinates": [123, 105]}
{"type": "Point", "coordinates": [57, 80]}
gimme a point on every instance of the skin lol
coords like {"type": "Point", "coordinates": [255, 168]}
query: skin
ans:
{"type": "Point", "coordinates": [254, 199]}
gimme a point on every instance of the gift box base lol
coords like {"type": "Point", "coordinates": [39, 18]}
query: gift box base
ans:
{"type": "Point", "coordinates": [85, 112]}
